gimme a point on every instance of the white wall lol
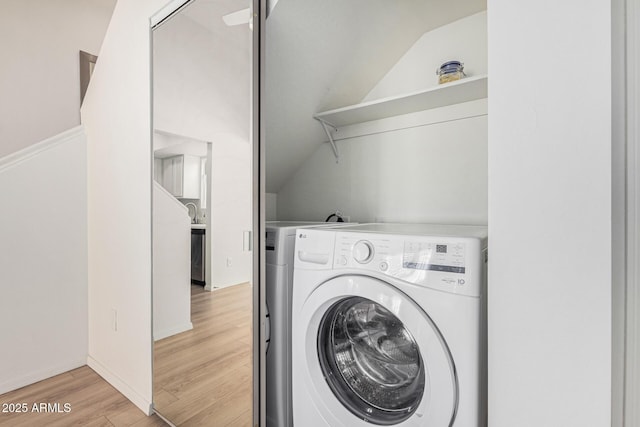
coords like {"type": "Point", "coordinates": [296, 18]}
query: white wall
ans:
{"type": "Point", "coordinates": [201, 90]}
{"type": "Point", "coordinates": [271, 205]}
{"type": "Point", "coordinates": [167, 145]}
{"type": "Point", "coordinates": [549, 214]}
{"type": "Point", "coordinates": [171, 265]}
{"type": "Point", "coordinates": [116, 113]}
{"type": "Point", "coordinates": [464, 40]}
{"type": "Point", "coordinates": [40, 77]}
{"type": "Point", "coordinates": [43, 267]}
{"type": "Point", "coordinates": [201, 79]}
{"type": "Point", "coordinates": [230, 213]}
{"type": "Point", "coordinates": [435, 173]}
{"type": "Point", "coordinates": [433, 170]}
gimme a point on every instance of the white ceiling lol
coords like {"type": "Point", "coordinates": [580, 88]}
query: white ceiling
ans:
{"type": "Point", "coordinates": [166, 144]}
{"type": "Point", "coordinates": [208, 13]}
{"type": "Point", "coordinates": [202, 73]}
{"type": "Point", "coordinates": [330, 53]}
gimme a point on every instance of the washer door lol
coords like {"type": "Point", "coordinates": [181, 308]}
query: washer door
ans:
{"type": "Point", "coordinates": [380, 355]}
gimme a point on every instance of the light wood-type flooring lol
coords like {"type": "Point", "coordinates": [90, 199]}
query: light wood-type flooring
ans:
{"type": "Point", "coordinates": [203, 377]}
{"type": "Point", "coordinates": [93, 403]}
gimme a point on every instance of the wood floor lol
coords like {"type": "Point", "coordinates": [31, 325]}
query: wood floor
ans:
{"type": "Point", "coordinates": [93, 403]}
{"type": "Point", "coordinates": [203, 377]}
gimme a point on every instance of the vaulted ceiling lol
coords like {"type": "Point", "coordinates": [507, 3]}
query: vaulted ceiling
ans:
{"type": "Point", "coordinates": [327, 54]}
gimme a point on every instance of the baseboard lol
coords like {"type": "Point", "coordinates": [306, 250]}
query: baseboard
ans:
{"type": "Point", "coordinates": [158, 335]}
{"type": "Point", "coordinates": [135, 397]}
{"type": "Point", "coordinates": [39, 375]}
{"type": "Point", "coordinates": [225, 285]}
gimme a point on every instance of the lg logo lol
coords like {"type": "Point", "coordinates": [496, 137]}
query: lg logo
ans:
{"type": "Point", "coordinates": [302, 236]}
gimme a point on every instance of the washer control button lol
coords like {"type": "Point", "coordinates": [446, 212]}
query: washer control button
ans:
{"type": "Point", "coordinates": [363, 251]}
{"type": "Point", "coordinates": [384, 266]}
{"type": "Point", "coordinates": [342, 260]}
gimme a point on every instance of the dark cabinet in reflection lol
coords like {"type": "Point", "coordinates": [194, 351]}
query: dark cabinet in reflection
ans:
{"type": "Point", "coordinates": [198, 251]}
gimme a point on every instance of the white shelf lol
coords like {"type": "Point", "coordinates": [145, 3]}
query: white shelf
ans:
{"type": "Point", "coordinates": [467, 89]}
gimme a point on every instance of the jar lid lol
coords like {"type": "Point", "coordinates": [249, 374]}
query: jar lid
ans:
{"type": "Point", "coordinates": [450, 67]}
{"type": "Point", "coordinates": [451, 64]}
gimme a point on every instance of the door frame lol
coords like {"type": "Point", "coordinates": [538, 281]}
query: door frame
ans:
{"type": "Point", "coordinates": [258, 17]}
{"type": "Point", "coordinates": [631, 414]}
{"type": "Point", "coordinates": [625, 145]}
{"type": "Point", "coordinates": [619, 225]}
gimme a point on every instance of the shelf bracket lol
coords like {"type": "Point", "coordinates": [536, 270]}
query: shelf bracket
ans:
{"type": "Point", "coordinates": [331, 141]}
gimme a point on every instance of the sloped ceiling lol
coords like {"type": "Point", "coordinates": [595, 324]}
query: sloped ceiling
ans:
{"type": "Point", "coordinates": [208, 13]}
{"type": "Point", "coordinates": [331, 53]}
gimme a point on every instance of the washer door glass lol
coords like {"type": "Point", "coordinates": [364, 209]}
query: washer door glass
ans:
{"type": "Point", "coordinates": [370, 361]}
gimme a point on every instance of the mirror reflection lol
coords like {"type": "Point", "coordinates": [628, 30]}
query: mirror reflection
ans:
{"type": "Point", "coordinates": [202, 212]}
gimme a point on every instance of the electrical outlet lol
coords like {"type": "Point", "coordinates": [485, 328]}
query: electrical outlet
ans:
{"type": "Point", "coordinates": [229, 263]}
{"type": "Point", "coordinates": [114, 319]}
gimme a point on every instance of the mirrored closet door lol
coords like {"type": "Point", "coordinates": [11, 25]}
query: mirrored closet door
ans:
{"type": "Point", "coordinates": [203, 215]}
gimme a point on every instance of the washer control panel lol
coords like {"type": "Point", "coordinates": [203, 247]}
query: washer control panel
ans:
{"type": "Point", "coordinates": [446, 263]}
{"type": "Point", "coordinates": [435, 256]}
{"type": "Point", "coordinates": [363, 251]}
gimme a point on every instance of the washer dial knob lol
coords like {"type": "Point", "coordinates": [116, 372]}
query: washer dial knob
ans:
{"type": "Point", "coordinates": [363, 251]}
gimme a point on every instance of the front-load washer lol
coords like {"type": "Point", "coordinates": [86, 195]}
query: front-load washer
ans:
{"type": "Point", "coordinates": [389, 326]}
{"type": "Point", "coordinates": [280, 239]}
